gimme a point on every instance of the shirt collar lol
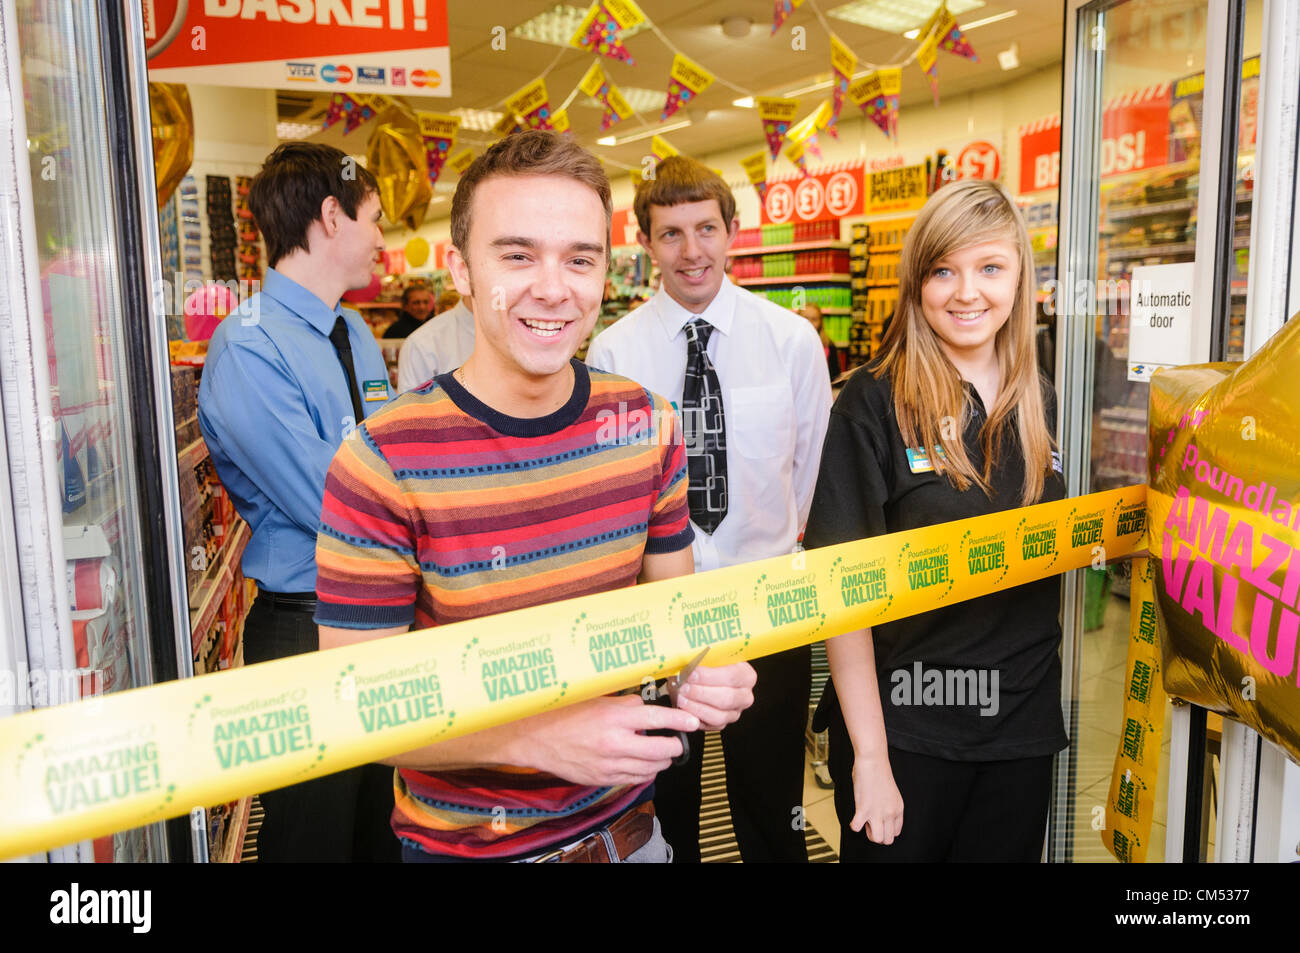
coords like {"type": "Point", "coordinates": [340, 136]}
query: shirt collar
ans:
{"type": "Point", "coordinates": [301, 302]}
{"type": "Point", "coordinates": [720, 312]}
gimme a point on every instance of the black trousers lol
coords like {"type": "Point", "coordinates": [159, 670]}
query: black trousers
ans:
{"type": "Point", "coordinates": [339, 818]}
{"type": "Point", "coordinates": [953, 811]}
{"type": "Point", "coordinates": [765, 771]}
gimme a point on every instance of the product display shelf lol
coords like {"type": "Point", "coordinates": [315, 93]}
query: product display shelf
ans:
{"type": "Point", "coordinates": [796, 279]}
{"type": "Point", "coordinates": [212, 590]}
{"type": "Point", "coordinates": [792, 246]}
{"type": "Point", "coordinates": [232, 844]}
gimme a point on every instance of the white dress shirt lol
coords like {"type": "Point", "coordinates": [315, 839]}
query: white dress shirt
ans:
{"type": "Point", "coordinates": [776, 406]}
{"type": "Point", "coordinates": [439, 345]}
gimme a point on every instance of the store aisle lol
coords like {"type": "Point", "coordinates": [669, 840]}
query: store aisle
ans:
{"type": "Point", "coordinates": [717, 841]}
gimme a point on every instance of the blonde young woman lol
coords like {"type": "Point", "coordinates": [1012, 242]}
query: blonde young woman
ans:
{"type": "Point", "coordinates": [943, 726]}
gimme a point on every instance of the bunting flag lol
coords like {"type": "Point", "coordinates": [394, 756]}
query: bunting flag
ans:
{"type": "Point", "coordinates": [661, 148]}
{"type": "Point", "coordinates": [782, 10]}
{"type": "Point", "coordinates": [439, 133]}
{"type": "Point", "coordinates": [776, 115]}
{"type": "Point", "coordinates": [876, 94]}
{"type": "Point", "coordinates": [508, 124]}
{"type": "Point", "coordinates": [843, 63]}
{"type": "Point", "coordinates": [600, 28]}
{"type": "Point", "coordinates": [686, 81]}
{"type": "Point", "coordinates": [755, 167]}
{"type": "Point", "coordinates": [361, 111]}
{"type": "Point", "coordinates": [597, 85]}
{"type": "Point", "coordinates": [950, 36]}
{"type": "Point", "coordinates": [926, 54]}
{"type": "Point", "coordinates": [794, 151]}
{"type": "Point", "coordinates": [531, 105]}
{"type": "Point", "coordinates": [804, 132]}
{"type": "Point", "coordinates": [351, 111]}
{"type": "Point", "coordinates": [461, 160]}
{"type": "Point", "coordinates": [560, 121]}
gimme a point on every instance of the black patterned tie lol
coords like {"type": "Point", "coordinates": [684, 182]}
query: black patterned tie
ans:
{"type": "Point", "coordinates": [339, 338]}
{"type": "Point", "coordinates": [704, 431]}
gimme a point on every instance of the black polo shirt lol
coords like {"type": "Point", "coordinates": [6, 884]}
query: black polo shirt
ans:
{"type": "Point", "coordinates": [867, 487]}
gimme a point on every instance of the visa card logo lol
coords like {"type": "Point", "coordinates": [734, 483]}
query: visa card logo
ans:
{"type": "Point", "coordinates": [301, 72]}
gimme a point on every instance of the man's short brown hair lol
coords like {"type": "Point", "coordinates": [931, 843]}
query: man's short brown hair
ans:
{"type": "Point", "coordinates": [535, 152]}
{"type": "Point", "coordinates": [677, 180]}
{"type": "Point", "coordinates": [286, 195]}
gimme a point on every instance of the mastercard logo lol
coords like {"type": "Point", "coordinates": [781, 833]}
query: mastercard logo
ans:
{"type": "Point", "coordinates": [431, 78]}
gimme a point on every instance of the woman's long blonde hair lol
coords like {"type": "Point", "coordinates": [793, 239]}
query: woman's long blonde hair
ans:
{"type": "Point", "coordinates": [926, 386]}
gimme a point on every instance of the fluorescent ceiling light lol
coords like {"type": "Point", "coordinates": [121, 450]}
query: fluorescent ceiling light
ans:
{"type": "Point", "coordinates": [967, 27]}
{"type": "Point", "coordinates": [825, 84]}
{"type": "Point", "coordinates": [477, 120]}
{"type": "Point", "coordinates": [557, 25]}
{"type": "Point", "coordinates": [643, 134]}
{"type": "Point", "coordinates": [1010, 57]}
{"type": "Point", "coordinates": [296, 130]}
{"type": "Point", "coordinates": [897, 16]}
{"type": "Point", "coordinates": [641, 100]}
{"type": "Point", "coordinates": [744, 102]}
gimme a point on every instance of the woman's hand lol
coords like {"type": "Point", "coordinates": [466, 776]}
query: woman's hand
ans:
{"type": "Point", "coordinates": [877, 804]}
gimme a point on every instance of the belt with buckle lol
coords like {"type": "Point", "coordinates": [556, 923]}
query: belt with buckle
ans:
{"type": "Point", "coordinates": [626, 835]}
{"type": "Point", "coordinates": [293, 601]}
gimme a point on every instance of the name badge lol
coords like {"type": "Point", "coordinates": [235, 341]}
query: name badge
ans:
{"type": "Point", "coordinates": [375, 390]}
{"type": "Point", "coordinates": [918, 461]}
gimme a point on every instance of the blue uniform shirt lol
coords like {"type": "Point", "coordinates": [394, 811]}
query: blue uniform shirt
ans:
{"type": "Point", "coordinates": [273, 408]}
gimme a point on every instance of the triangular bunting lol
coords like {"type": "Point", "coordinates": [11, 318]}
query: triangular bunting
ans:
{"type": "Point", "coordinates": [951, 38]}
{"type": "Point", "coordinates": [843, 63]}
{"type": "Point", "coordinates": [776, 115]}
{"type": "Point", "coordinates": [686, 81]}
{"type": "Point", "coordinates": [782, 10]}
{"type": "Point", "coordinates": [599, 31]}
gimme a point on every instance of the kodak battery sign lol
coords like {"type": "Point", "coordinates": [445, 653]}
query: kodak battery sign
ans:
{"type": "Point", "coordinates": [366, 46]}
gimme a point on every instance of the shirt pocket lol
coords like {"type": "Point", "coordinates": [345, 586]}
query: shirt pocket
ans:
{"type": "Point", "coordinates": [761, 421]}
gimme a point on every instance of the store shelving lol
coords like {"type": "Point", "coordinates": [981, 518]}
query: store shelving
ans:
{"type": "Point", "coordinates": [790, 246]}
{"type": "Point", "coordinates": [796, 279]}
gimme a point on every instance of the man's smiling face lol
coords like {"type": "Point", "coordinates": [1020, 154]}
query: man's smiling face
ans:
{"type": "Point", "coordinates": [535, 269]}
{"type": "Point", "coordinates": [689, 242]}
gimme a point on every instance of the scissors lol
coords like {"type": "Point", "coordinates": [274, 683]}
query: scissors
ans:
{"type": "Point", "coordinates": [670, 697]}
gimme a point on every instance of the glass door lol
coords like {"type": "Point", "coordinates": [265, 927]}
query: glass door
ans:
{"type": "Point", "coordinates": [1146, 157]}
{"type": "Point", "coordinates": [94, 559]}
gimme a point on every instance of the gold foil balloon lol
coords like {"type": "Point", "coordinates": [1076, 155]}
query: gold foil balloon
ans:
{"type": "Point", "coordinates": [395, 154]}
{"type": "Point", "coordinates": [1224, 523]}
{"type": "Point", "coordinates": [172, 120]}
{"type": "Point", "coordinates": [417, 252]}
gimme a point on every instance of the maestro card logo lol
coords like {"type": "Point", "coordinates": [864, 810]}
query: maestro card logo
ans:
{"type": "Point", "coordinates": [370, 76]}
{"type": "Point", "coordinates": [336, 74]}
{"type": "Point", "coordinates": [300, 72]}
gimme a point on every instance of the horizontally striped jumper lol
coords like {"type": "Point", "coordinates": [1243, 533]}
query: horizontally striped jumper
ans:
{"type": "Point", "coordinates": [440, 509]}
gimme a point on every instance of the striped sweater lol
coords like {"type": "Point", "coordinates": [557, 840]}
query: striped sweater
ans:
{"type": "Point", "coordinates": [441, 509]}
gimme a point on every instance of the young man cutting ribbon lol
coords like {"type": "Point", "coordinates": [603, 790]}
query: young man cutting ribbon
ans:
{"type": "Point", "coordinates": [494, 487]}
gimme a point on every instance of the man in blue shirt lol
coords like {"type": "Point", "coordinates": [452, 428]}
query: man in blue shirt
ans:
{"type": "Point", "coordinates": [287, 377]}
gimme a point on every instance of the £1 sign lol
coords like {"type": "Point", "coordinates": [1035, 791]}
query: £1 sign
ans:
{"type": "Point", "coordinates": [833, 193]}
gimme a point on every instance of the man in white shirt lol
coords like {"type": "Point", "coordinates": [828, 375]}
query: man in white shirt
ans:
{"type": "Point", "coordinates": [752, 463]}
{"type": "Point", "coordinates": [439, 345]}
